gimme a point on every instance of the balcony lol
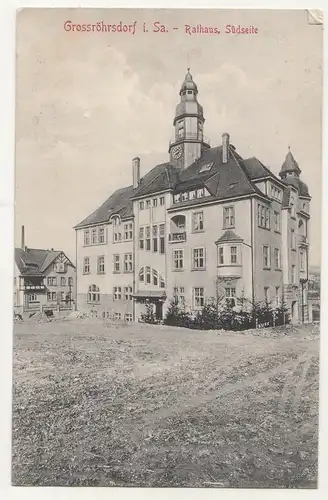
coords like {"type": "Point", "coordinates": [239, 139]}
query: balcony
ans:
{"type": "Point", "coordinates": [303, 241]}
{"type": "Point", "coordinates": [230, 271]}
{"type": "Point", "coordinates": [33, 287]}
{"type": "Point", "coordinates": [190, 136]}
{"type": "Point", "coordinates": [180, 237]}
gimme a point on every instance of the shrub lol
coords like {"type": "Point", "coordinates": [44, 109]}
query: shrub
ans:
{"type": "Point", "coordinates": [149, 315]}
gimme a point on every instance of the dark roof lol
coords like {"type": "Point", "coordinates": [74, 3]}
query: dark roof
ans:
{"type": "Point", "coordinates": [118, 203]}
{"type": "Point", "coordinates": [34, 261]}
{"type": "Point", "coordinates": [289, 165]}
{"type": "Point", "coordinates": [257, 170]}
{"type": "Point", "coordinates": [223, 180]}
{"type": "Point", "coordinates": [229, 236]}
{"type": "Point", "coordinates": [160, 178]}
{"type": "Point", "coordinates": [188, 83]}
{"type": "Point", "coordinates": [301, 187]}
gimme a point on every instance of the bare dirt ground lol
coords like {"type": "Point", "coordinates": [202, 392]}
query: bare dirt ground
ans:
{"type": "Point", "coordinates": [98, 405]}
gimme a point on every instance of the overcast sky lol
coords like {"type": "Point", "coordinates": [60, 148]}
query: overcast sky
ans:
{"type": "Point", "coordinates": [87, 103]}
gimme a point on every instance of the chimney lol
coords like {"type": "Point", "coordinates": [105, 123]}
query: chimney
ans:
{"type": "Point", "coordinates": [23, 238]}
{"type": "Point", "coordinates": [136, 172]}
{"type": "Point", "coordinates": [225, 147]}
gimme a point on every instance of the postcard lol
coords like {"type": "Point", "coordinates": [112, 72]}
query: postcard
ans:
{"type": "Point", "coordinates": [167, 248]}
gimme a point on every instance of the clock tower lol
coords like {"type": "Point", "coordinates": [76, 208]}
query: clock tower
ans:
{"type": "Point", "coordinates": [188, 144]}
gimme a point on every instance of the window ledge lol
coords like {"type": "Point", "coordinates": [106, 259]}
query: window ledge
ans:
{"type": "Point", "coordinates": [128, 272]}
{"type": "Point", "coordinates": [267, 268]}
{"type": "Point", "coordinates": [195, 231]}
{"type": "Point", "coordinates": [82, 273]}
{"type": "Point", "coordinates": [101, 272]}
{"type": "Point", "coordinates": [116, 272]}
{"type": "Point", "coordinates": [229, 265]}
{"type": "Point", "coordinates": [277, 232]}
{"type": "Point", "coordinates": [228, 227]}
{"type": "Point", "coordinates": [278, 269]}
{"type": "Point", "coordinates": [198, 269]}
{"type": "Point", "coordinates": [265, 228]}
{"type": "Point", "coordinates": [178, 270]}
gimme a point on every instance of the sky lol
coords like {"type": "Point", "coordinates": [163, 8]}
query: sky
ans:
{"type": "Point", "coordinates": [89, 102]}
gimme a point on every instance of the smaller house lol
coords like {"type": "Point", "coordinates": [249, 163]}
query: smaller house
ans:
{"type": "Point", "coordinates": [43, 280]}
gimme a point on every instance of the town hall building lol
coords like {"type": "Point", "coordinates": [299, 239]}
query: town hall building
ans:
{"type": "Point", "coordinates": [205, 224]}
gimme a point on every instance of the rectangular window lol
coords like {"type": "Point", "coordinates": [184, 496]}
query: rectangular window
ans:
{"type": "Point", "coordinates": [117, 315]}
{"type": "Point", "coordinates": [293, 274]}
{"type": "Point", "coordinates": [198, 221]}
{"type": "Point", "coordinates": [86, 237]}
{"type": "Point", "coordinates": [230, 296]}
{"type": "Point", "coordinates": [198, 258]}
{"type": "Point", "coordinates": [229, 217]}
{"type": "Point", "coordinates": [266, 257]}
{"type": "Point", "coordinates": [141, 238]}
{"type": "Point", "coordinates": [62, 296]}
{"type": "Point", "coordinates": [52, 281]}
{"type": "Point", "coordinates": [185, 196]}
{"type": "Point", "coordinates": [128, 317]}
{"type": "Point", "coordinates": [277, 298]}
{"type": "Point", "coordinates": [117, 264]}
{"type": "Point", "coordinates": [162, 200]}
{"type": "Point", "coordinates": [52, 296]}
{"type": "Point", "coordinates": [128, 293]}
{"type": "Point", "coordinates": [276, 221]}
{"type": "Point", "coordinates": [62, 281]}
{"type": "Point", "coordinates": [177, 198]}
{"type": "Point", "coordinates": [198, 296]}
{"type": "Point", "coordinates": [155, 202]}
{"type": "Point", "coordinates": [233, 255]}
{"type": "Point", "coordinates": [101, 235]}
{"type": "Point", "coordinates": [94, 236]}
{"type": "Point", "coordinates": [70, 281]}
{"type": "Point", "coordinates": [101, 264]}
{"type": "Point", "coordinates": [155, 240]}
{"type": "Point", "coordinates": [302, 261]}
{"type": "Point", "coordinates": [179, 296]}
{"type": "Point", "coordinates": [277, 258]}
{"type": "Point", "coordinates": [117, 293]}
{"type": "Point", "coordinates": [177, 259]}
{"type": "Point", "coordinates": [86, 265]}
{"type": "Point", "coordinates": [128, 231]}
{"type": "Point", "coordinates": [148, 238]}
{"type": "Point", "coordinates": [200, 193]}
{"type": "Point", "coordinates": [147, 203]}
{"type": "Point", "coordinates": [128, 263]}
{"type": "Point", "coordinates": [263, 216]}
{"type": "Point", "coordinates": [162, 238]}
{"type": "Point", "coordinates": [221, 259]}
{"type": "Point", "coordinates": [141, 205]}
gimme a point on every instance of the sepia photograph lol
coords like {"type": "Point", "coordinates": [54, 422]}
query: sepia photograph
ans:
{"type": "Point", "coordinates": [167, 261]}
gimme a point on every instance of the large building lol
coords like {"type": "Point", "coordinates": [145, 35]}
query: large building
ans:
{"type": "Point", "coordinates": [43, 280]}
{"type": "Point", "coordinates": [206, 224]}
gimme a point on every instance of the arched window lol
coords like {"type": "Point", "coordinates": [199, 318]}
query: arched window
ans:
{"type": "Point", "coordinates": [93, 294]}
{"type": "Point", "coordinates": [150, 276]}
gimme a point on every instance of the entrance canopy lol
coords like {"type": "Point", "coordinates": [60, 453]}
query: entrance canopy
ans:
{"type": "Point", "coordinates": [151, 295]}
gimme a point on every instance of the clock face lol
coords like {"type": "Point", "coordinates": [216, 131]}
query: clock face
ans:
{"type": "Point", "coordinates": [176, 152]}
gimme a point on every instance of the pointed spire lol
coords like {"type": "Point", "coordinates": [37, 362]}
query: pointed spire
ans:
{"type": "Point", "coordinates": [290, 165]}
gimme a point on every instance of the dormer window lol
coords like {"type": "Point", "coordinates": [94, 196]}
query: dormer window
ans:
{"type": "Point", "coordinates": [177, 198]}
{"type": "Point", "coordinates": [206, 168]}
{"type": "Point", "coordinates": [192, 195]}
{"type": "Point", "coordinates": [200, 193]}
{"type": "Point", "coordinates": [185, 196]}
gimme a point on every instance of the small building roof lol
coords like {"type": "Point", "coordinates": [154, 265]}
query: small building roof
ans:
{"type": "Point", "coordinates": [229, 236]}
